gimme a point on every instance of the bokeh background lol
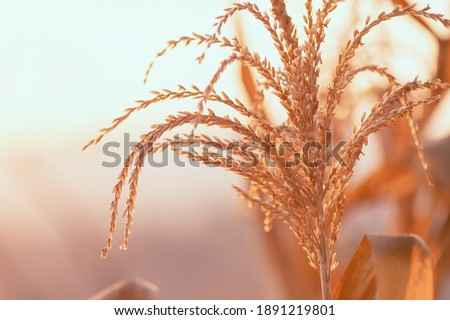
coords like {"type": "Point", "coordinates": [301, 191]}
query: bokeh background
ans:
{"type": "Point", "coordinates": [68, 68]}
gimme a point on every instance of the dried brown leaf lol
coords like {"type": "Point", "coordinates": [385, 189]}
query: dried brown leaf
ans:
{"type": "Point", "coordinates": [393, 267]}
{"type": "Point", "coordinates": [249, 82]}
{"type": "Point", "coordinates": [137, 289]}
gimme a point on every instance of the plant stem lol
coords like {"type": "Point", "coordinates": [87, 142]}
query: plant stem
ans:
{"type": "Point", "coordinates": [325, 277]}
{"type": "Point", "coordinates": [325, 282]}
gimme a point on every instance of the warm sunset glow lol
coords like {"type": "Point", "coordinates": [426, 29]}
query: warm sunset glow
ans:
{"type": "Point", "coordinates": [69, 68]}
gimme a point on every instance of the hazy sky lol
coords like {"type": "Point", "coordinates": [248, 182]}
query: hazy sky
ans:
{"type": "Point", "coordinates": [69, 67]}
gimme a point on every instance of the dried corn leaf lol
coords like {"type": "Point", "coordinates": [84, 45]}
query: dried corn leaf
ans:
{"type": "Point", "coordinates": [405, 3]}
{"type": "Point", "coordinates": [128, 290]}
{"type": "Point", "coordinates": [443, 69]}
{"type": "Point", "coordinates": [442, 245]}
{"type": "Point", "coordinates": [389, 267]}
{"type": "Point", "coordinates": [248, 79]}
{"type": "Point", "coordinates": [249, 82]}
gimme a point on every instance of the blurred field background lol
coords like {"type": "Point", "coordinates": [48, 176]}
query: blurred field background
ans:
{"type": "Point", "coordinates": [68, 68]}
